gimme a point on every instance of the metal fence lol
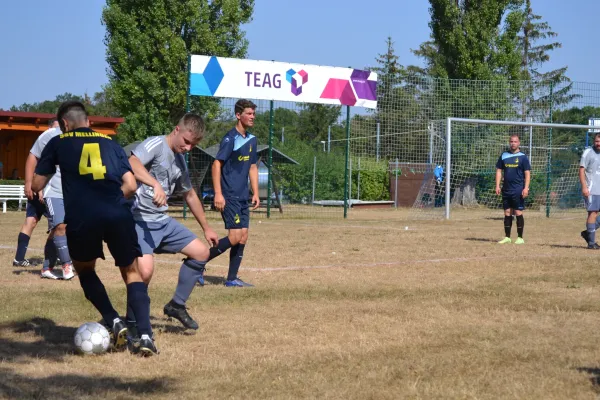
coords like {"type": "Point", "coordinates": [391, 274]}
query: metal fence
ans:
{"type": "Point", "coordinates": [390, 148]}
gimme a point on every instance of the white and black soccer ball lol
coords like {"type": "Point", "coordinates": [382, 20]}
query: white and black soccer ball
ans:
{"type": "Point", "coordinates": [92, 338]}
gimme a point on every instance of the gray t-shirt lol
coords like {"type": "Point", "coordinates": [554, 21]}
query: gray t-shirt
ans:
{"type": "Point", "coordinates": [54, 186]}
{"type": "Point", "coordinates": [590, 161]}
{"type": "Point", "coordinates": [168, 168]}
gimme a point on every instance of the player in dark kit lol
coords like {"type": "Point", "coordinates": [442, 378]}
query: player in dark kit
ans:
{"type": "Point", "coordinates": [96, 179]}
{"type": "Point", "coordinates": [517, 175]}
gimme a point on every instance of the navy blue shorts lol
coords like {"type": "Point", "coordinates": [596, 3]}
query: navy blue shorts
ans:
{"type": "Point", "coordinates": [85, 237]}
{"type": "Point", "coordinates": [236, 214]}
{"type": "Point", "coordinates": [514, 201]}
{"type": "Point", "coordinates": [35, 208]}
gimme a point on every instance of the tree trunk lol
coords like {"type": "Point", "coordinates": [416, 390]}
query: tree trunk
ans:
{"type": "Point", "coordinates": [464, 195]}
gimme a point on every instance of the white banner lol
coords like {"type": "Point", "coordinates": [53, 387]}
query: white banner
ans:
{"type": "Point", "coordinates": [269, 80]}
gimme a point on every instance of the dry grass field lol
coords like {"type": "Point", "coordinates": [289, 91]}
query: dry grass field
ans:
{"type": "Point", "coordinates": [355, 309]}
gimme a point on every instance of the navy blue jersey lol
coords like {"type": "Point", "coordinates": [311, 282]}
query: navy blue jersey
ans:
{"type": "Point", "coordinates": [92, 167]}
{"type": "Point", "coordinates": [514, 166]}
{"type": "Point", "coordinates": [238, 153]}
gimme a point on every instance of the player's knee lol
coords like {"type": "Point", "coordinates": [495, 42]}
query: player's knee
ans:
{"type": "Point", "coordinates": [235, 236]}
{"type": "Point", "coordinates": [244, 237]}
{"type": "Point", "coordinates": [60, 230]}
{"type": "Point", "coordinates": [197, 251]}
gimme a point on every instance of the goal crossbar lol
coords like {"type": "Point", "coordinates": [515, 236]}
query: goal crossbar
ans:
{"type": "Point", "coordinates": [450, 120]}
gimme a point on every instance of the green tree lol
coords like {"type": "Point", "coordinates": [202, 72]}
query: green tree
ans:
{"type": "Point", "coordinates": [535, 48]}
{"type": "Point", "coordinates": [100, 104]}
{"type": "Point", "coordinates": [314, 120]}
{"type": "Point", "coordinates": [147, 48]}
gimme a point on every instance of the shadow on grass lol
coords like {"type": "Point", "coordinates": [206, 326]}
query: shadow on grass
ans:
{"type": "Point", "coordinates": [73, 386]}
{"type": "Point", "coordinates": [23, 271]}
{"type": "Point", "coordinates": [594, 375]}
{"type": "Point", "coordinates": [214, 280]}
{"type": "Point", "coordinates": [481, 240]}
{"type": "Point", "coordinates": [564, 246]}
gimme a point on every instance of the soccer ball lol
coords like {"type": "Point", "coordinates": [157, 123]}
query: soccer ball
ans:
{"type": "Point", "coordinates": [92, 338]}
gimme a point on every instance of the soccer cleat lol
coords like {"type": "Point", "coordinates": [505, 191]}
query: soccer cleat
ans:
{"type": "Point", "coordinates": [585, 235]}
{"type": "Point", "coordinates": [67, 270]}
{"type": "Point", "coordinates": [519, 241]}
{"type": "Point", "coordinates": [118, 334]}
{"type": "Point", "coordinates": [593, 246]}
{"type": "Point", "coordinates": [47, 274]}
{"type": "Point", "coordinates": [505, 241]}
{"type": "Point", "coordinates": [237, 282]}
{"type": "Point", "coordinates": [180, 313]}
{"type": "Point", "coordinates": [144, 346]}
{"type": "Point", "coordinates": [23, 263]}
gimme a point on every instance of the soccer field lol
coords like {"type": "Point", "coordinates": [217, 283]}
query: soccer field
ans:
{"type": "Point", "coordinates": [356, 309]}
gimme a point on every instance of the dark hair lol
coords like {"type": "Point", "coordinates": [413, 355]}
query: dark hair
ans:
{"type": "Point", "coordinates": [242, 104]}
{"type": "Point", "coordinates": [194, 123]}
{"type": "Point", "coordinates": [596, 135]}
{"type": "Point", "coordinates": [51, 122]}
{"type": "Point", "coordinates": [515, 135]}
{"type": "Point", "coordinates": [73, 111]}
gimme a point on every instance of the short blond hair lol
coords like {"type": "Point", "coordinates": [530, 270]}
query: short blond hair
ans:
{"type": "Point", "coordinates": [194, 123]}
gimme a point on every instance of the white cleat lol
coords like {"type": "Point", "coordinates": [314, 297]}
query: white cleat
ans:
{"type": "Point", "coordinates": [67, 269]}
{"type": "Point", "coordinates": [47, 274]}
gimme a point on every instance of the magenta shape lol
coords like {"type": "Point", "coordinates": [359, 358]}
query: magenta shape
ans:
{"type": "Point", "coordinates": [347, 97]}
{"type": "Point", "coordinates": [334, 88]}
{"type": "Point", "coordinates": [304, 76]}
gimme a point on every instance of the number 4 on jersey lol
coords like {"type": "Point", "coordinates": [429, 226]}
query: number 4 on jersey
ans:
{"type": "Point", "coordinates": [91, 161]}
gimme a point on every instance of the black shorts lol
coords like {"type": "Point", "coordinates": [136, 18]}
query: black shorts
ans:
{"type": "Point", "coordinates": [236, 214]}
{"type": "Point", "coordinates": [85, 237]}
{"type": "Point", "coordinates": [514, 201]}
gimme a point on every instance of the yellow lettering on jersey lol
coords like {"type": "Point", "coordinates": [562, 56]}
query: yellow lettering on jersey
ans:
{"type": "Point", "coordinates": [244, 158]}
{"type": "Point", "coordinates": [91, 161]}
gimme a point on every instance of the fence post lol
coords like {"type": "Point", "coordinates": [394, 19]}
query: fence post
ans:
{"type": "Point", "coordinates": [346, 180]}
{"type": "Point", "coordinates": [378, 134]}
{"type": "Point", "coordinates": [396, 184]}
{"type": "Point", "coordinates": [329, 138]}
{"type": "Point", "coordinates": [358, 181]}
{"type": "Point", "coordinates": [549, 165]}
{"type": "Point", "coordinates": [270, 160]}
{"type": "Point", "coordinates": [187, 110]}
{"type": "Point", "coordinates": [448, 163]}
{"type": "Point", "coordinates": [314, 178]}
{"type": "Point", "coordinates": [282, 137]}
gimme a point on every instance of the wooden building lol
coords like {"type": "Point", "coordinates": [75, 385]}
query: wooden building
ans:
{"type": "Point", "coordinates": [19, 130]}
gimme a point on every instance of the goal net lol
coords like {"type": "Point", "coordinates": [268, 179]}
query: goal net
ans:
{"type": "Point", "coordinates": [460, 182]}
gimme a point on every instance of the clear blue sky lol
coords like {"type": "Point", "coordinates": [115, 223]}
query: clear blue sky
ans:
{"type": "Point", "coordinates": [52, 47]}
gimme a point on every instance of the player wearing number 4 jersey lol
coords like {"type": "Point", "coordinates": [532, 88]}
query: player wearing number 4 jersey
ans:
{"type": "Point", "coordinates": [96, 179]}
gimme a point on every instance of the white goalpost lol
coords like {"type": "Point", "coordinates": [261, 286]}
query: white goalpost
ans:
{"type": "Point", "coordinates": [466, 151]}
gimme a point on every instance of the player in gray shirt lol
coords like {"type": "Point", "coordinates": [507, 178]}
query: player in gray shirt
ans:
{"type": "Point", "coordinates": [589, 176]}
{"type": "Point", "coordinates": [159, 167]}
{"type": "Point", "coordinates": [56, 244]}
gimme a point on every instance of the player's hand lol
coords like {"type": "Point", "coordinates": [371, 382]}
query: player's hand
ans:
{"type": "Point", "coordinates": [219, 202]}
{"type": "Point", "coordinates": [41, 196]}
{"type": "Point", "coordinates": [28, 191]}
{"type": "Point", "coordinates": [255, 201]}
{"type": "Point", "coordinates": [211, 237]}
{"type": "Point", "coordinates": [498, 190]}
{"type": "Point", "coordinates": [160, 197]}
{"type": "Point", "coordinates": [585, 192]}
{"type": "Point", "coordinates": [525, 192]}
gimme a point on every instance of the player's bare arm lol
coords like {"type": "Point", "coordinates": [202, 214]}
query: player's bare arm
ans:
{"type": "Point", "coordinates": [129, 185]}
{"type": "Point", "coordinates": [584, 189]}
{"type": "Point", "coordinates": [39, 182]}
{"type": "Point", "coordinates": [253, 175]}
{"type": "Point", "coordinates": [197, 208]}
{"type": "Point", "coordinates": [498, 179]}
{"type": "Point", "coordinates": [142, 175]}
{"type": "Point", "coordinates": [216, 176]}
{"type": "Point", "coordinates": [527, 180]}
{"type": "Point", "coordinates": [30, 165]}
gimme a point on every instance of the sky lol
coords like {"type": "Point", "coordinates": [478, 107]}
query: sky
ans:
{"type": "Point", "coordinates": [53, 47]}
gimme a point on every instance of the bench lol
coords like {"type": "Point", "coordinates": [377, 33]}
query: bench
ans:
{"type": "Point", "coordinates": [14, 193]}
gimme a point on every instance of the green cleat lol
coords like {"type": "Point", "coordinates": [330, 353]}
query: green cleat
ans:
{"type": "Point", "coordinates": [505, 240]}
{"type": "Point", "coordinates": [519, 241]}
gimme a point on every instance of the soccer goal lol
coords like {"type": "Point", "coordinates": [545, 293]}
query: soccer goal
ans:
{"type": "Point", "coordinates": [463, 153]}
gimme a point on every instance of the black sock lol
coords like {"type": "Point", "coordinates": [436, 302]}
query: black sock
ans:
{"type": "Point", "coordinates": [507, 225]}
{"type": "Point", "coordinates": [49, 254]}
{"type": "Point", "coordinates": [22, 243]}
{"type": "Point", "coordinates": [235, 260]}
{"type": "Point", "coordinates": [96, 293]}
{"type": "Point", "coordinates": [139, 301]}
{"type": "Point", "coordinates": [520, 225]}
{"type": "Point", "coordinates": [223, 245]}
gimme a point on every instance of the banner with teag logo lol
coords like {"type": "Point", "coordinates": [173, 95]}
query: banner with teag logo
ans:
{"type": "Point", "coordinates": [270, 80]}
